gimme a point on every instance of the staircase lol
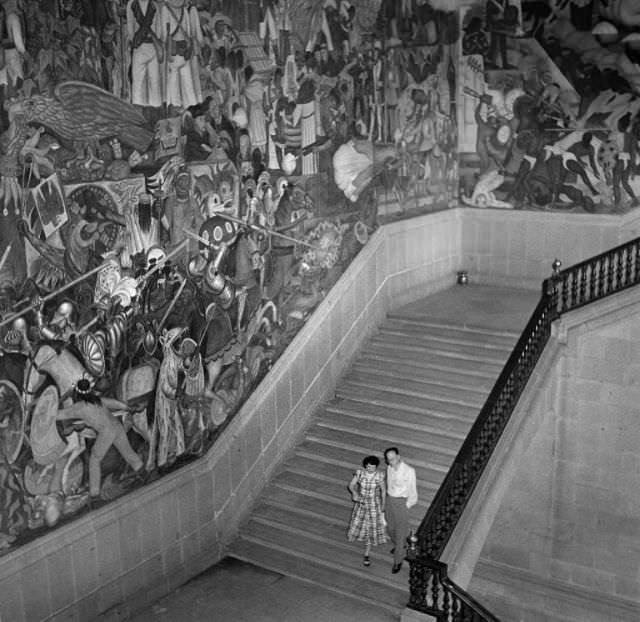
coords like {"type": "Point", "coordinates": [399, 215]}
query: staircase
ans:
{"type": "Point", "coordinates": [417, 385]}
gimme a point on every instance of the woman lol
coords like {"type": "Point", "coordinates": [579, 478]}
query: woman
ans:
{"type": "Point", "coordinates": [368, 491]}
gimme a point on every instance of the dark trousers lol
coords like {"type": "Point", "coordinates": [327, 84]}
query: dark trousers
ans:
{"type": "Point", "coordinates": [397, 515]}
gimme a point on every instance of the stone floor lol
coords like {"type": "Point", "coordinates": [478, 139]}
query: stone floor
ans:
{"type": "Point", "coordinates": [235, 591]}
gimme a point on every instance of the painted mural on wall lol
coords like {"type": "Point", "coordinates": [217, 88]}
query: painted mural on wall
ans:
{"type": "Point", "coordinates": [548, 97]}
{"type": "Point", "coordinates": [181, 183]}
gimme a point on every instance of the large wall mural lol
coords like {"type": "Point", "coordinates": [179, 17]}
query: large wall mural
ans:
{"type": "Point", "coordinates": [548, 98]}
{"type": "Point", "coordinates": [181, 183]}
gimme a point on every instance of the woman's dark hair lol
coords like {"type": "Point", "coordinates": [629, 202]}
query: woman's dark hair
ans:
{"type": "Point", "coordinates": [371, 460]}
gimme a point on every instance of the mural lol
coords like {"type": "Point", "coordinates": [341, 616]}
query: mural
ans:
{"type": "Point", "coordinates": [548, 101]}
{"type": "Point", "coordinates": [181, 183]}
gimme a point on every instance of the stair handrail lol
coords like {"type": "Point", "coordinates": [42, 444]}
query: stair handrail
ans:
{"type": "Point", "coordinates": [448, 602]}
{"type": "Point", "coordinates": [565, 290]}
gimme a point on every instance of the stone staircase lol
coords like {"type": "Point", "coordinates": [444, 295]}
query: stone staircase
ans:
{"type": "Point", "coordinates": [418, 385]}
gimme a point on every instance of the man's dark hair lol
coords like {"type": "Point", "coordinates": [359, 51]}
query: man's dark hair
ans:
{"type": "Point", "coordinates": [386, 451]}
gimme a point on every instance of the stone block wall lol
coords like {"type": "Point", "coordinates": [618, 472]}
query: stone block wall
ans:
{"type": "Point", "coordinates": [564, 542]}
{"type": "Point", "coordinates": [517, 248]}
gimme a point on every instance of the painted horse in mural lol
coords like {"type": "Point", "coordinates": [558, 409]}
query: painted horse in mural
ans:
{"type": "Point", "coordinates": [231, 322]}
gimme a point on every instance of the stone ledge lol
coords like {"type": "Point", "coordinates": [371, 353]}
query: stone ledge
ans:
{"type": "Point", "coordinates": [609, 607]}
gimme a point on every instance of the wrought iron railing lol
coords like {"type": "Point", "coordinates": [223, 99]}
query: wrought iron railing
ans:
{"type": "Point", "coordinates": [574, 287]}
{"type": "Point", "coordinates": [443, 599]}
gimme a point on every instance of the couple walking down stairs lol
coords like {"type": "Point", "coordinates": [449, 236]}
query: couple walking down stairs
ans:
{"type": "Point", "coordinates": [418, 383]}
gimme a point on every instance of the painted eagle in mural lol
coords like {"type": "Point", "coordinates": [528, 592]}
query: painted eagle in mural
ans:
{"type": "Point", "coordinates": [79, 112]}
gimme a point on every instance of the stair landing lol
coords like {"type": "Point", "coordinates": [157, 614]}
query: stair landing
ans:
{"type": "Point", "coordinates": [501, 308]}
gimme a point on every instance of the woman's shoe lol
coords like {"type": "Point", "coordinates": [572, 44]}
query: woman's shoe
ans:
{"type": "Point", "coordinates": [366, 561]}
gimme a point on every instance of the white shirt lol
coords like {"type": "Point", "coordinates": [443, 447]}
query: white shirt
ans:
{"type": "Point", "coordinates": [401, 482]}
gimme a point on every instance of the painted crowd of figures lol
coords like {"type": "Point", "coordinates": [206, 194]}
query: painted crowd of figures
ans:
{"type": "Point", "coordinates": [176, 196]}
{"type": "Point", "coordinates": [182, 181]}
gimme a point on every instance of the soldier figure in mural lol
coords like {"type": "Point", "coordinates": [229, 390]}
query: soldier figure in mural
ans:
{"type": "Point", "coordinates": [180, 23]}
{"type": "Point", "coordinates": [145, 36]}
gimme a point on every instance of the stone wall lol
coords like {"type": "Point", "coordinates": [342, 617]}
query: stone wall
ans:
{"type": "Point", "coordinates": [564, 542]}
{"type": "Point", "coordinates": [517, 248]}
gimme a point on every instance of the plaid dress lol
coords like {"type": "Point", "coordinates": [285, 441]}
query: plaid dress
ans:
{"type": "Point", "coordinates": [367, 518]}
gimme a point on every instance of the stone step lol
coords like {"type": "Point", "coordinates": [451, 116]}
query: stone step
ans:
{"type": "Point", "coordinates": [449, 335]}
{"type": "Point", "coordinates": [443, 377]}
{"type": "Point", "coordinates": [340, 435]}
{"type": "Point", "coordinates": [416, 387]}
{"type": "Point", "coordinates": [337, 509]}
{"type": "Point", "coordinates": [338, 473]}
{"type": "Point", "coordinates": [326, 574]}
{"type": "Point", "coordinates": [391, 399]}
{"type": "Point", "coordinates": [399, 318]}
{"type": "Point", "coordinates": [389, 428]}
{"type": "Point", "coordinates": [432, 360]}
{"type": "Point", "coordinates": [335, 550]}
{"type": "Point", "coordinates": [419, 420]}
{"type": "Point", "coordinates": [319, 525]}
{"type": "Point", "coordinates": [344, 556]}
{"type": "Point", "coordinates": [428, 471]}
{"type": "Point", "coordinates": [427, 347]}
{"type": "Point", "coordinates": [329, 510]}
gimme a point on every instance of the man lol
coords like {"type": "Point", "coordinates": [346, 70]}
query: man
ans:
{"type": "Point", "coordinates": [90, 410]}
{"type": "Point", "coordinates": [402, 495]}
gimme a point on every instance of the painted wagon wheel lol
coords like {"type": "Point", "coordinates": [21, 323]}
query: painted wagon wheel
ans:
{"type": "Point", "coordinates": [12, 420]}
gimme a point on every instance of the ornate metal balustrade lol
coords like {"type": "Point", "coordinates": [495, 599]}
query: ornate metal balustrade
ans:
{"type": "Point", "coordinates": [446, 601]}
{"type": "Point", "coordinates": [431, 591]}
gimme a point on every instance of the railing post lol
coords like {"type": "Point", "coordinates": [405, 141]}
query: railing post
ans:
{"type": "Point", "coordinates": [551, 286]}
